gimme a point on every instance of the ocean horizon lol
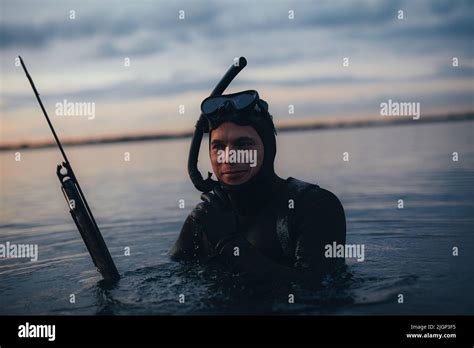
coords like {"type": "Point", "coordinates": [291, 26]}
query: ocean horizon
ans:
{"type": "Point", "coordinates": [281, 126]}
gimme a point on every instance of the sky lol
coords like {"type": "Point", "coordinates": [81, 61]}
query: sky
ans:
{"type": "Point", "coordinates": [80, 57]}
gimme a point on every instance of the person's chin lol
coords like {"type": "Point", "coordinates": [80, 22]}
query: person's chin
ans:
{"type": "Point", "coordinates": [235, 178]}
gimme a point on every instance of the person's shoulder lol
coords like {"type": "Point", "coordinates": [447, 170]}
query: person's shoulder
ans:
{"type": "Point", "coordinates": [311, 194]}
{"type": "Point", "coordinates": [298, 188]}
{"type": "Point", "coordinates": [319, 212]}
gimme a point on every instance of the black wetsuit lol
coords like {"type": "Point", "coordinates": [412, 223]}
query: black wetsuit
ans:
{"type": "Point", "coordinates": [283, 227]}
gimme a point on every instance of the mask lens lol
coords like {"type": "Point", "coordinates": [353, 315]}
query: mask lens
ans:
{"type": "Point", "coordinates": [243, 100]}
{"type": "Point", "coordinates": [210, 105]}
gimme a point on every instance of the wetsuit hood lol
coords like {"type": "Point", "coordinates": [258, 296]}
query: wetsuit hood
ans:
{"type": "Point", "coordinates": [247, 198]}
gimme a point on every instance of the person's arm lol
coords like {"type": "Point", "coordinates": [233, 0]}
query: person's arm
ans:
{"type": "Point", "coordinates": [320, 221]}
{"type": "Point", "coordinates": [239, 255]}
{"type": "Point", "coordinates": [191, 243]}
{"type": "Point", "coordinates": [211, 231]}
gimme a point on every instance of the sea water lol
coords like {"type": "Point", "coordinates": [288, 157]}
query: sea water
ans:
{"type": "Point", "coordinates": [137, 191]}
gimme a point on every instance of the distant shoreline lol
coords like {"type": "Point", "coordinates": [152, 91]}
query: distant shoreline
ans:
{"type": "Point", "coordinates": [293, 126]}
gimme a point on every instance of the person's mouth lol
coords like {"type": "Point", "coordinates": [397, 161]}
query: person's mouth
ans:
{"type": "Point", "coordinates": [234, 173]}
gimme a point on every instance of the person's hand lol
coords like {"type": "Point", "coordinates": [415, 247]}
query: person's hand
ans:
{"type": "Point", "coordinates": [216, 217]}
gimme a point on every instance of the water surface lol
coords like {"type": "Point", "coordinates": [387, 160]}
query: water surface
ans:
{"type": "Point", "coordinates": [407, 251]}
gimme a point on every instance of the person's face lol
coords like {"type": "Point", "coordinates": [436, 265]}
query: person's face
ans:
{"type": "Point", "coordinates": [235, 137]}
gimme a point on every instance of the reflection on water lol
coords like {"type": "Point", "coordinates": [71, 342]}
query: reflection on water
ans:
{"type": "Point", "coordinates": [407, 251]}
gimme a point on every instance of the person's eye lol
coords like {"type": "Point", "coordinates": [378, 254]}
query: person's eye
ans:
{"type": "Point", "coordinates": [245, 144]}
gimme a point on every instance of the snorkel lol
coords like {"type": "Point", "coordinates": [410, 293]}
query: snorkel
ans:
{"type": "Point", "coordinates": [206, 185]}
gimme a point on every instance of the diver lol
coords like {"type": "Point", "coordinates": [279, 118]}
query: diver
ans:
{"type": "Point", "coordinates": [253, 221]}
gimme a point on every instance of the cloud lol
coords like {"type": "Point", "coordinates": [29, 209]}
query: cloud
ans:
{"type": "Point", "coordinates": [230, 19]}
{"type": "Point", "coordinates": [82, 59]}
